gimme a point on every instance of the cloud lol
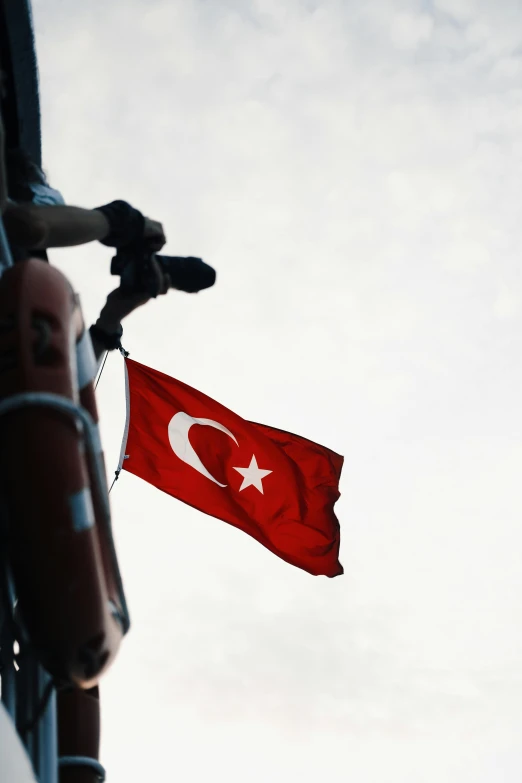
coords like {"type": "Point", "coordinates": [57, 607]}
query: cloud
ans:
{"type": "Point", "coordinates": [353, 171]}
{"type": "Point", "coordinates": [460, 10]}
{"type": "Point", "coordinates": [507, 303]}
{"type": "Point", "coordinates": [408, 31]}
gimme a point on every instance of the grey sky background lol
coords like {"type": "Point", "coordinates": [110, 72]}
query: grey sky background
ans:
{"type": "Point", "coordinates": [353, 172]}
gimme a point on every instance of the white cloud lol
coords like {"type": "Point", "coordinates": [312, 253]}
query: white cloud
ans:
{"type": "Point", "coordinates": [507, 303]}
{"type": "Point", "coordinates": [461, 10]}
{"type": "Point", "coordinates": [465, 254]}
{"type": "Point", "coordinates": [353, 170]}
{"type": "Point", "coordinates": [408, 32]}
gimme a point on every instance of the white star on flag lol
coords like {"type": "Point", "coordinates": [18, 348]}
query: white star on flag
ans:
{"type": "Point", "coordinates": [253, 475]}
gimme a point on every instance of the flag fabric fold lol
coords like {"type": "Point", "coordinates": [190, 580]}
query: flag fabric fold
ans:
{"type": "Point", "coordinates": [277, 487]}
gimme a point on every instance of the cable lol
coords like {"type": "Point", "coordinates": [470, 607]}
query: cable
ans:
{"type": "Point", "coordinates": [101, 370]}
{"type": "Point", "coordinates": [123, 352]}
{"type": "Point", "coordinates": [116, 477]}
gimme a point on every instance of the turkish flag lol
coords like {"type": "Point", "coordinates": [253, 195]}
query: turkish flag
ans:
{"type": "Point", "coordinates": [275, 486]}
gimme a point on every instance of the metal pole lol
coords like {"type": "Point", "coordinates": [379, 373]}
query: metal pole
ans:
{"type": "Point", "coordinates": [46, 762]}
{"type": "Point", "coordinates": [8, 672]}
{"type": "Point", "coordinates": [6, 258]}
{"type": "Point", "coordinates": [37, 731]}
{"type": "Point", "coordinates": [6, 627]}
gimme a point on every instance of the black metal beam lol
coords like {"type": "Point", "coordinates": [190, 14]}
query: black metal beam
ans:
{"type": "Point", "coordinates": [21, 107]}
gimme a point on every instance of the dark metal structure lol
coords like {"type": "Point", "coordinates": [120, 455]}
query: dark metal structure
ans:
{"type": "Point", "coordinates": [21, 108]}
{"type": "Point", "coordinates": [22, 690]}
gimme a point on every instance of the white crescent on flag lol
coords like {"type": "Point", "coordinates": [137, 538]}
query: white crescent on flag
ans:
{"type": "Point", "coordinates": [179, 427]}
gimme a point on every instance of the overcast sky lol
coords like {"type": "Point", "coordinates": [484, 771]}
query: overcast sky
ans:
{"type": "Point", "coordinates": [353, 170]}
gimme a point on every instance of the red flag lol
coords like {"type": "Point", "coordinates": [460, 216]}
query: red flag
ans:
{"type": "Point", "coordinates": [275, 486]}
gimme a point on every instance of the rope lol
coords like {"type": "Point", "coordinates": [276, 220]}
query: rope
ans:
{"type": "Point", "coordinates": [123, 456]}
{"type": "Point", "coordinates": [101, 370]}
{"type": "Point", "coordinates": [123, 352]}
{"type": "Point", "coordinates": [116, 477]}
